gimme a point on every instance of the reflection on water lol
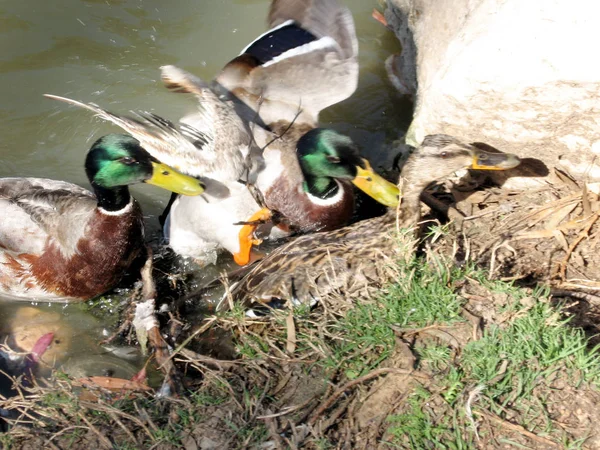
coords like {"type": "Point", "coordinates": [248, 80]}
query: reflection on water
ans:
{"type": "Point", "coordinates": [109, 51]}
{"type": "Point", "coordinates": [75, 347]}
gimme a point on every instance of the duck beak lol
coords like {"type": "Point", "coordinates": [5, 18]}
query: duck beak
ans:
{"type": "Point", "coordinates": [376, 186]}
{"type": "Point", "coordinates": [483, 160]}
{"type": "Point", "coordinates": [168, 178]}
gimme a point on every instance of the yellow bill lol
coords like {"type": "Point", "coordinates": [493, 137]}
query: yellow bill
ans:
{"type": "Point", "coordinates": [483, 160]}
{"type": "Point", "coordinates": [168, 178]}
{"type": "Point", "coordinates": [376, 186]}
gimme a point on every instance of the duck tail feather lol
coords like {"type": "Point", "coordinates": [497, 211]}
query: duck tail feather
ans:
{"type": "Point", "coordinates": [179, 80]}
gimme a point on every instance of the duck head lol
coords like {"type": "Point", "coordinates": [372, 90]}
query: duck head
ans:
{"type": "Point", "coordinates": [326, 155]}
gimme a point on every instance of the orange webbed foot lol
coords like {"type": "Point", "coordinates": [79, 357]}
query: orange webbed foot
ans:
{"type": "Point", "coordinates": [246, 236]}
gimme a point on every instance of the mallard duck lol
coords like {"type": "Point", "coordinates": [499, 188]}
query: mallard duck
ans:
{"type": "Point", "coordinates": [60, 242]}
{"type": "Point", "coordinates": [352, 258]}
{"type": "Point", "coordinates": [280, 82]}
{"type": "Point", "coordinates": [257, 128]}
{"type": "Point", "coordinates": [306, 62]}
{"type": "Point", "coordinates": [303, 173]}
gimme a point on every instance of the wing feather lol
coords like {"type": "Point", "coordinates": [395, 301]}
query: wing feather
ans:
{"type": "Point", "coordinates": [43, 209]}
{"type": "Point", "coordinates": [159, 137]}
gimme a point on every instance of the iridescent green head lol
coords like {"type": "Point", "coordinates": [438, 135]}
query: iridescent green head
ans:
{"type": "Point", "coordinates": [325, 155]}
{"type": "Point", "coordinates": [119, 160]}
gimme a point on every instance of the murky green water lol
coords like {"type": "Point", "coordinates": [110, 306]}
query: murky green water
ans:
{"type": "Point", "coordinates": [109, 51]}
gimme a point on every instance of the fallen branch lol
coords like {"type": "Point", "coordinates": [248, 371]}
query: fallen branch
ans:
{"type": "Point", "coordinates": [374, 374]}
{"type": "Point", "coordinates": [517, 428]}
{"type": "Point", "coordinates": [562, 267]}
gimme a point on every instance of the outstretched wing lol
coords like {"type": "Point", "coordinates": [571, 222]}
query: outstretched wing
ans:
{"type": "Point", "coordinates": [187, 149]}
{"type": "Point", "coordinates": [231, 138]}
{"type": "Point", "coordinates": [307, 61]}
{"type": "Point", "coordinates": [321, 18]}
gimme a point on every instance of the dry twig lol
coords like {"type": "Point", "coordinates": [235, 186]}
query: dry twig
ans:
{"type": "Point", "coordinates": [375, 373]}
{"type": "Point", "coordinates": [562, 267]}
{"type": "Point", "coordinates": [518, 429]}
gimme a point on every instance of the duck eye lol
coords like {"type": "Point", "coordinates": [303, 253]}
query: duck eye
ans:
{"type": "Point", "coordinates": [444, 154]}
{"type": "Point", "coordinates": [127, 160]}
{"type": "Point", "coordinates": [333, 159]}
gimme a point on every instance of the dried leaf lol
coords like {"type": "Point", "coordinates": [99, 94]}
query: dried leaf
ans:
{"type": "Point", "coordinates": [567, 179]}
{"type": "Point", "coordinates": [560, 215]}
{"type": "Point", "coordinates": [112, 384]}
{"type": "Point", "coordinates": [560, 237]}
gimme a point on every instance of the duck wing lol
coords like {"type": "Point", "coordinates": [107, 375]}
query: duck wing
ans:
{"type": "Point", "coordinates": [232, 139]}
{"type": "Point", "coordinates": [306, 62]}
{"type": "Point", "coordinates": [36, 210]}
{"type": "Point", "coordinates": [185, 148]}
{"type": "Point", "coordinates": [321, 18]}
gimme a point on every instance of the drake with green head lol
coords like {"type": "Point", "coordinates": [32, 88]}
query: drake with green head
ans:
{"type": "Point", "coordinates": [328, 158]}
{"type": "Point", "coordinates": [60, 242]}
{"type": "Point", "coordinates": [325, 156]}
{"type": "Point", "coordinates": [319, 196]}
{"type": "Point", "coordinates": [279, 84]}
{"type": "Point", "coordinates": [355, 259]}
{"type": "Point", "coordinates": [302, 172]}
{"type": "Point", "coordinates": [257, 127]}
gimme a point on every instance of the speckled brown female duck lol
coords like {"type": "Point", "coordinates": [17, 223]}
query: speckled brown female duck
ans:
{"type": "Point", "coordinates": [349, 259]}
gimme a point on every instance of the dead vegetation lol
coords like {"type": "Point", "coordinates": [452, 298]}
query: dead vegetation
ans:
{"type": "Point", "coordinates": [549, 234]}
{"type": "Point", "coordinates": [450, 356]}
{"type": "Point", "coordinates": [309, 383]}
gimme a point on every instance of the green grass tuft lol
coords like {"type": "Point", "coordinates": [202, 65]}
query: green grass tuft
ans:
{"type": "Point", "coordinates": [422, 297]}
{"type": "Point", "coordinates": [536, 344]}
{"type": "Point", "coordinates": [416, 429]}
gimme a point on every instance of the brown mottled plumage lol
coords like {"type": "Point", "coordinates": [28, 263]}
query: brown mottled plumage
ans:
{"type": "Point", "coordinates": [359, 256]}
{"type": "Point", "coordinates": [60, 242]}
